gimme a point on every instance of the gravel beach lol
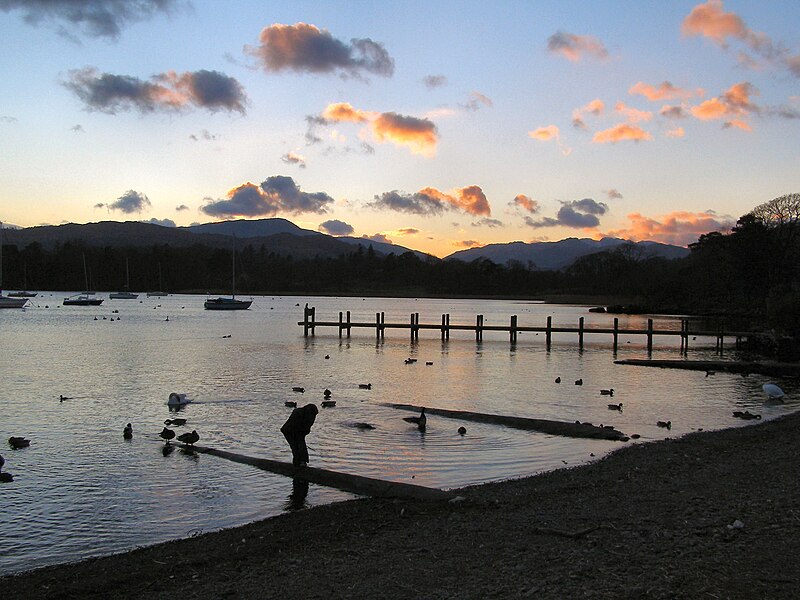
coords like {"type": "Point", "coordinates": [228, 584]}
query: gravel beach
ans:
{"type": "Point", "coordinates": [708, 515]}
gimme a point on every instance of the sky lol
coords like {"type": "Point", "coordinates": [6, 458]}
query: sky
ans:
{"type": "Point", "coordinates": [437, 126]}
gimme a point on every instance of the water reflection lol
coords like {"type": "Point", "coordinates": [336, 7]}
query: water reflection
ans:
{"type": "Point", "coordinates": [297, 498]}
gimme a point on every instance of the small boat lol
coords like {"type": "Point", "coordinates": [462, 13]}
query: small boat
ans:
{"type": "Point", "coordinates": [125, 294]}
{"type": "Point", "coordinates": [24, 293]}
{"type": "Point", "coordinates": [176, 399]}
{"type": "Point", "coordinates": [223, 303]}
{"type": "Point", "coordinates": [8, 301]}
{"type": "Point", "coordinates": [84, 298]}
{"type": "Point", "coordinates": [158, 292]}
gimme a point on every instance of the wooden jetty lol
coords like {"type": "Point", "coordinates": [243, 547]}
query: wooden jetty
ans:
{"type": "Point", "coordinates": [356, 484]}
{"type": "Point", "coordinates": [565, 428]}
{"type": "Point", "coordinates": [345, 325]}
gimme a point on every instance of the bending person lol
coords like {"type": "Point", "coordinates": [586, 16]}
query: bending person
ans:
{"type": "Point", "coordinates": [295, 430]}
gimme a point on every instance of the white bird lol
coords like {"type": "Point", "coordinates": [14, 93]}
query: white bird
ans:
{"type": "Point", "coordinates": [773, 391]}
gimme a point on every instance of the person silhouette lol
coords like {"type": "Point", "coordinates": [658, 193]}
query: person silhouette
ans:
{"type": "Point", "coordinates": [295, 430]}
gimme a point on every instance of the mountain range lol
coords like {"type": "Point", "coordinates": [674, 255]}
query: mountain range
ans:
{"type": "Point", "coordinates": [285, 238]}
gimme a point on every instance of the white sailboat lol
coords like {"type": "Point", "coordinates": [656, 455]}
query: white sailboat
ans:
{"type": "Point", "coordinates": [126, 294]}
{"type": "Point", "coordinates": [5, 301]}
{"type": "Point", "coordinates": [86, 298]}
{"type": "Point", "coordinates": [160, 286]}
{"type": "Point", "coordinates": [23, 293]}
{"type": "Point", "coordinates": [223, 303]}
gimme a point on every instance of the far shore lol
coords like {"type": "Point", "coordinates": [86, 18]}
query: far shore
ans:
{"type": "Point", "coordinates": [708, 515]}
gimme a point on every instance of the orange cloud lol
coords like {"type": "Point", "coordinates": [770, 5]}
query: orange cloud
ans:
{"type": "Point", "coordinates": [419, 135]}
{"type": "Point", "coordinates": [711, 21]}
{"type": "Point", "coordinates": [710, 109]}
{"type": "Point", "coordinates": [595, 107]}
{"type": "Point", "coordinates": [526, 202]}
{"type": "Point", "coordinates": [739, 124]}
{"type": "Point", "coordinates": [634, 115]}
{"type": "Point", "coordinates": [466, 244]}
{"type": "Point", "coordinates": [665, 91]}
{"type": "Point", "coordinates": [679, 227]}
{"type": "Point", "coordinates": [620, 132]}
{"type": "Point", "coordinates": [678, 132]}
{"type": "Point", "coordinates": [575, 47]}
{"type": "Point", "coordinates": [470, 199]}
{"type": "Point", "coordinates": [343, 111]}
{"type": "Point", "coordinates": [735, 101]}
{"type": "Point", "coordinates": [545, 133]}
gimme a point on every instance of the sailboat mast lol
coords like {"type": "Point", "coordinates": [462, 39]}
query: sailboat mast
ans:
{"type": "Point", "coordinates": [1, 257]}
{"type": "Point", "coordinates": [85, 273]}
{"type": "Point", "coordinates": [233, 270]}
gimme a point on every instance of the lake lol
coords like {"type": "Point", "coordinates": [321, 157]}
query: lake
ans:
{"type": "Point", "coordinates": [81, 490]}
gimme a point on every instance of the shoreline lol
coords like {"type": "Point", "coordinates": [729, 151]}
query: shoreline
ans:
{"type": "Point", "coordinates": [654, 520]}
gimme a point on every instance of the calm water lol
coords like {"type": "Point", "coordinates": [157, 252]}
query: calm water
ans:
{"type": "Point", "coordinates": [80, 490]}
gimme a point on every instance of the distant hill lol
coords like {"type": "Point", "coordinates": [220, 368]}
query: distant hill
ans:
{"type": "Point", "coordinates": [559, 255]}
{"type": "Point", "coordinates": [247, 228]}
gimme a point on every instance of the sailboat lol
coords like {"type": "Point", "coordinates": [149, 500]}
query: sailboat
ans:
{"type": "Point", "coordinates": [231, 303]}
{"type": "Point", "coordinates": [5, 301]}
{"type": "Point", "coordinates": [24, 293]}
{"type": "Point", "coordinates": [126, 294]}
{"type": "Point", "coordinates": [86, 298]}
{"type": "Point", "coordinates": [160, 286]}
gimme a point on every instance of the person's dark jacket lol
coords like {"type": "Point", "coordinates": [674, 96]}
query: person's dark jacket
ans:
{"type": "Point", "coordinates": [301, 420]}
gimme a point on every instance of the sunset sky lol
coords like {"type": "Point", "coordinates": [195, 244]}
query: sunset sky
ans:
{"type": "Point", "coordinates": [434, 125]}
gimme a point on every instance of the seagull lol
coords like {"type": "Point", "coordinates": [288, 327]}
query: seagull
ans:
{"type": "Point", "coordinates": [609, 392]}
{"type": "Point", "coordinates": [127, 432]}
{"type": "Point", "coordinates": [176, 422]}
{"type": "Point", "coordinates": [665, 424]}
{"type": "Point", "coordinates": [17, 442]}
{"type": "Point", "coordinates": [189, 438]}
{"type": "Point", "coordinates": [167, 434]}
{"type": "Point", "coordinates": [615, 407]}
{"type": "Point", "coordinates": [421, 420]}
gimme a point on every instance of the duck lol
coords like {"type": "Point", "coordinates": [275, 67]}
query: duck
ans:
{"type": "Point", "coordinates": [462, 430]}
{"type": "Point", "coordinates": [665, 424]}
{"type": "Point", "coordinates": [615, 407]}
{"type": "Point", "coordinates": [6, 478]}
{"type": "Point", "coordinates": [299, 389]}
{"type": "Point", "coordinates": [327, 357]}
{"type": "Point", "coordinates": [410, 361]}
{"type": "Point", "coordinates": [61, 398]}
{"type": "Point", "coordinates": [746, 415]}
{"type": "Point", "coordinates": [127, 432]}
{"type": "Point", "coordinates": [290, 404]}
{"type": "Point", "coordinates": [608, 392]}
{"type": "Point", "coordinates": [327, 393]}
{"type": "Point", "coordinates": [175, 422]}
{"type": "Point", "coordinates": [328, 403]}
{"type": "Point", "coordinates": [17, 442]}
{"type": "Point", "coordinates": [365, 386]}
{"type": "Point", "coordinates": [429, 363]}
{"type": "Point", "coordinates": [189, 438]}
{"type": "Point", "coordinates": [558, 379]}
{"type": "Point", "coordinates": [167, 434]}
{"type": "Point", "coordinates": [421, 420]}
{"type": "Point", "coordinates": [579, 382]}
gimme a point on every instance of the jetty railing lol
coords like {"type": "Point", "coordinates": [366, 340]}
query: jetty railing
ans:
{"type": "Point", "coordinates": [345, 325]}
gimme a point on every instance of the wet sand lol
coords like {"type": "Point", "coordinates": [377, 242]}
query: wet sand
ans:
{"type": "Point", "coordinates": [709, 515]}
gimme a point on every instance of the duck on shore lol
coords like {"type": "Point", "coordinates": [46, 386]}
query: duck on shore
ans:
{"type": "Point", "coordinates": [665, 424]}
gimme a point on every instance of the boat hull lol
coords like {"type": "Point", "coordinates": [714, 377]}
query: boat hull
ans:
{"type": "Point", "coordinates": [6, 302]}
{"type": "Point", "coordinates": [123, 296]}
{"type": "Point", "coordinates": [82, 300]}
{"type": "Point", "coordinates": [226, 304]}
{"type": "Point", "coordinates": [22, 294]}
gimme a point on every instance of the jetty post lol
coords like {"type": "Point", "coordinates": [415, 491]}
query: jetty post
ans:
{"type": "Point", "coordinates": [446, 326]}
{"type": "Point", "coordinates": [414, 327]}
{"type": "Point", "coordinates": [549, 332]}
{"type": "Point", "coordinates": [344, 325]}
{"type": "Point", "coordinates": [649, 336]}
{"type": "Point", "coordinates": [512, 330]}
{"type": "Point", "coordinates": [580, 333]}
{"type": "Point", "coordinates": [380, 325]}
{"type": "Point", "coordinates": [309, 316]}
{"type": "Point", "coordinates": [616, 333]}
{"type": "Point", "coordinates": [479, 328]}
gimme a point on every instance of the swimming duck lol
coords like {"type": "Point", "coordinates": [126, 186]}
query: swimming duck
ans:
{"type": "Point", "coordinates": [301, 390]}
{"type": "Point", "coordinates": [462, 431]}
{"type": "Point", "coordinates": [615, 407]}
{"type": "Point", "coordinates": [290, 404]}
{"type": "Point", "coordinates": [746, 415]}
{"type": "Point", "coordinates": [609, 392]}
{"type": "Point", "coordinates": [61, 398]}
{"type": "Point", "coordinates": [421, 421]}
{"type": "Point", "coordinates": [176, 422]}
{"type": "Point", "coordinates": [17, 442]}
{"type": "Point", "coordinates": [327, 393]}
{"type": "Point", "coordinates": [665, 424]}
{"type": "Point", "coordinates": [127, 432]}
{"type": "Point", "coordinates": [558, 379]}
{"type": "Point", "coordinates": [429, 363]}
{"type": "Point", "coordinates": [365, 386]}
{"type": "Point", "coordinates": [6, 477]}
{"type": "Point", "coordinates": [579, 382]}
{"type": "Point", "coordinates": [189, 438]}
{"type": "Point", "coordinates": [167, 434]}
{"type": "Point", "coordinates": [328, 403]}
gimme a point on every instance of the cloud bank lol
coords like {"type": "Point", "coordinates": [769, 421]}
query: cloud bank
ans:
{"type": "Point", "coordinates": [576, 47]}
{"type": "Point", "coordinates": [679, 228]}
{"type": "Point", "coordinates": [430, 201]}
{"type": "Point", "coordinates": [275, 194]}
